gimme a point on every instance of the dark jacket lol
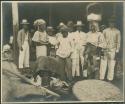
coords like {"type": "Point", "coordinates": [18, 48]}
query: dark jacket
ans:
{"type": "Point", "coordinates": [21, 38]}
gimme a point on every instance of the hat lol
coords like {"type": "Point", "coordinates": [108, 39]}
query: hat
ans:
{"type": "Point", "coordinates": [39, 22]}
{"type": "Point", "coordinates": [64, 28]}
{"type": "Point", "coordinates": [103, 26]}
{"type": "Point", "coordinates": [24, 22]}
{"type": "Point", "coordinates": [79, 23]}
{"type": "Point", "coordinates": [6, 48]}
{"type": "Point", "coordinates": [112, 19]}
{"type": "Point", "coordinates": [50, 28]}
{"type": "Point", "coordinates": [69, 23]}
{"type": "Point", "coordinates": [60, 25]}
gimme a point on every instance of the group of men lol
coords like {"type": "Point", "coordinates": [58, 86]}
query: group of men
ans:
{"type": "Point", "coordinates": [75, 48]}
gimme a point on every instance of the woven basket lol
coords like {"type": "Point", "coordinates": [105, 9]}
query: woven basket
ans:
{"type": "Point", "coordinates": [96, 90]}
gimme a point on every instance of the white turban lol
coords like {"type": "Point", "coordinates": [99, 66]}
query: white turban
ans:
{"type": "Point", "coordinates": [39, 22]}
{"type": "Point", "coordinates": [94, 17]}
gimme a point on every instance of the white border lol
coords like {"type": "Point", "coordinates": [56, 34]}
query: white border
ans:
{"type": "Point", "coordinates": [1, 47]}
{"type": "Point", "coordinates": [64, 2]}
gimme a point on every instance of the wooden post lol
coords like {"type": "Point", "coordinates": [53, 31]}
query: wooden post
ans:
{"type": "Point", "coordinates": [15, 28]}
{"type": "Point", "coordinates": [123, 37]}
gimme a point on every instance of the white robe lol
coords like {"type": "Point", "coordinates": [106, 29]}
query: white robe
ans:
{"type": "Point", "coordinates": [40, 36]}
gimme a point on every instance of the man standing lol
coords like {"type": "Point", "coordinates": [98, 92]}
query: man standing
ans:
{"type": "Point", "coordinates": [70, 26]}
{"type": "Point", "coordinates": [40, 38]}
{"type": "Point", "coordinates": [113, 38]}
{"type": "Point", "coordinates": [78, 41]}
{"type": "Point", "coordinates": [23, 40]}
{"type": "Point", "coordinates": [63, 53]}
{"type": "Point", "coordinates": [95, 45]}
{"type": "Point", "coordinates": [52, 41]}
{"type": "Point", "coordinates": [61, 24]}
{"type": "Point", "coordinates": [102, 27]}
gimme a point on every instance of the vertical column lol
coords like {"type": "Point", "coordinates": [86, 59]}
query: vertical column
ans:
{"type": "Point", "coordinates": [1, 25]}
{"type": "Point", "coordinates": [50, 14]}
{"type": "Point", "coordinates": [15, 28]}
{"type": "Point", "coordinates": [124, 38]}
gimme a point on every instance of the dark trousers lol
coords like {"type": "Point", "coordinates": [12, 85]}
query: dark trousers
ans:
{"type": "Point", "coordinates": [66, 72]}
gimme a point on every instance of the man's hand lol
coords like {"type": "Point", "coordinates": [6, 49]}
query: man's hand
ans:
{"type": "Point", "coordinates": [116, 54]}
{"type": "Point", "coordinates": [117, 51]}
{"type": "Point", "coordinates": [43, 42]}
{"type": "Point", "coordinates": [21, 48]}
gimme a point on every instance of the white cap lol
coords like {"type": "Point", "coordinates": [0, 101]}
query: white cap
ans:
{"type": "Point", "coordinates": [79, 23]}
{"type": "Point", "coordinates": [24, 21]}
{"type": "Point", "coordinates": [50, 28]}
{"type": "Point", "coordinates": [61, 24]}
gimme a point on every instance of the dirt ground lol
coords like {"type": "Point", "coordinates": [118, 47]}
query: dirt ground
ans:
{"type": "Point", "coordinates": [65, 97]}
{"type": "Point", "coordinates": [34, 97]}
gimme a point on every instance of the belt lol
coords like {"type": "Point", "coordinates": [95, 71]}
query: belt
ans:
{"type": "Point", "coordinates": [39, 44]}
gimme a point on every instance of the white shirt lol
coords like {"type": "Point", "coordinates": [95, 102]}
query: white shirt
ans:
{"type": "Point", "coordinates": [59, 35]}
{"type": "Point", "coordinates": [52, 40]}
{"type": "Point", "coordinates": [64, 49]}
{"type": "Point", "coordinates": [40, 36]}
{"type": "Point", "coordinates": [113, 38]}
{"type": "Point", "coordinates": [78, 37]}
{"type": "Point", "coordinates": [96, 39]}
{"type": "Point", "coordinates": [78, 40]}
{"type": "Point", "coordinates": [26, 37]}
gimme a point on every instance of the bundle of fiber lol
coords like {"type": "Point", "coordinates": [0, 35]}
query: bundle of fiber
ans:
{"type": "Point", "coordinates": [96, 90]}
{"type": "Point", "coordinates": [7, 88]}
{"type": "Point", "coordinates": [46, 63]}
{"type": "Point", "coordinates": [17, 87]}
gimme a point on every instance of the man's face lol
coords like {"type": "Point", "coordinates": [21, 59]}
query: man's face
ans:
{"type": "Point", "coordinates": [111, 24]}
{"type": "Point", "coordinates": [8, 54]}
{"type": "Point", "coordinates": [93, 28]}
{"type": "Point", "coordinates": [70, 29]}
{"type": "Point", "coordinates": [42, 27]}
{"type": "Point", "coordinates": [25, 26]}
{"type": "Point", "coordinates": [50, 33]}
{"type": "Point", "coordinates": [102, 28]}
{"type": "Point", "coordinates": [64, 33]}
{"type": "Point", "coordinates": [79, 28]}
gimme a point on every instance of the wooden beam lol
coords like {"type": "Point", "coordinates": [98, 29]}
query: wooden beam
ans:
{"type": "Point", "coordinates": [15, 28]}
{"type": "Point", "coordinates": [32, 83]}
{"type": "Point", "coordinates": [50, 14]}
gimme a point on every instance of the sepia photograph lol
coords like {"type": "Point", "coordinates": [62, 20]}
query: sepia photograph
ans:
{"type": "Point", "coordinates": [62, 51]}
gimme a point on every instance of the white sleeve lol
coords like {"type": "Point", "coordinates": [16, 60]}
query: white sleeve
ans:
{"type": "Point", "coordinates": [36, 37]}
{"type": "Point", "coordinates": [102, 42]}
{"type": "Point", "coordinates": [53, 41]}
{"type": "Point", "coordinates": [87, 37]}
{"type": "Point", "coordinates": [118, 41]}
{"type": "Point", "coordinates": [84, 39]}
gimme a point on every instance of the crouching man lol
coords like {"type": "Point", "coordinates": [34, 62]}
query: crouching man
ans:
{"type": "Point", "coordinates": [23, 40]}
